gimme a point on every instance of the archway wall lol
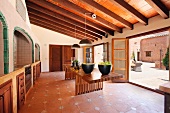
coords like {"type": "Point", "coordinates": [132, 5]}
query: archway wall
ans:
{"type": "Point", "coordinates": [1, 50]}
{"type": "Point", "coordinates": [14, 20]}
{"type": "Point", "coordinates": [37, 52]}
{"type": "Point", "coordinates": [23, 50]}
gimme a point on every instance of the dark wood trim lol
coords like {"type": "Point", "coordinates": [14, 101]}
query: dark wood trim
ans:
{"type": "Point", "coordinates": [109, 13]}
{"type": "Point", "coordinates": [156, 91]}
{"type": "Point", "coordinates": [125, 6]}
{"type": "Point", "coordinates": [149, 32]}
{"type": "Point", "coordinates": [159, 7]}
{"type": "Point", "coordinates": [38, 9]}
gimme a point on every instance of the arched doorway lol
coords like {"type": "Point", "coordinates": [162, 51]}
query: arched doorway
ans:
{"type": "Point", "coordinates": [37, 52]}
{"type": "Point", "coordinates": [4, 46]}
{"type": "Point", "coordinates": [23, 48]}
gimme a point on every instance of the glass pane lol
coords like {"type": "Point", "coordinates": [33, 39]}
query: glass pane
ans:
{"type": "Point", "coordinates": [88, 60]}
{"type": "Point", "coordinates": [119, 44]}
{"type": "Point", "coordinates": [119, 64]}
{"type": "Point", "coordinates": [119, 54]}
{"type": "Point", "coordinates": [88, 55]}
{"type": "Point", "coordinates": [120, 71]}
{"type": "Point", "coordinates": [88, 49]}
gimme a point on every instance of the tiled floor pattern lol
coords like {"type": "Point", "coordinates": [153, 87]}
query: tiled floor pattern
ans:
{"type": "Point", "coordinates": [53, 94]}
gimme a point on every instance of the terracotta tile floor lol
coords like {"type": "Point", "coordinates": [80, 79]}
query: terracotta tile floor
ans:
{"type": "Point", "coordinates": [53, 94]}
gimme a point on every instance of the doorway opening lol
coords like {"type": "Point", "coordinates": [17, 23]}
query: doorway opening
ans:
{"type": "Point", "coordinates": [146, 54]}
{"type": "Point", "coordinates": [101, 53]}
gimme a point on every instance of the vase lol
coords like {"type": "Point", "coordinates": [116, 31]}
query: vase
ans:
{"type": "Point", "coordinates": [105, 69]}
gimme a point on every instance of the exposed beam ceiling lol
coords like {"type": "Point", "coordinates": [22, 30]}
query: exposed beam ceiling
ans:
{"type": "Point", "coordinates": [66, 32]}
{"type": "Point", "coordinates": [59, 26]}
{"type": "Point", "coordinates": [159, 7]}
{"type": "Point", "coordinates": [78, 10]}
{"type": "Point", "coordinates": [70, 16]}
{"type": "Point", "coordinates": [109, 13]}
{"type": "Point", "coordinates": [40, 10]}
{"type": "Point", "coordinates": [57, 21]}
{"type": "Point", "coordinates": [125, 6]}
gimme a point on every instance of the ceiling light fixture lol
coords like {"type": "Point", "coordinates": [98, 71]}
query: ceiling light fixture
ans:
{"type": "Point", "coordinates": [85, 41]}
{"type": "Point", "coordinates": [75, 46]}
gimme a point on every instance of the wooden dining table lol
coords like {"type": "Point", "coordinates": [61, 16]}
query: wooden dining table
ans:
{"type": "Point", "coordinates": [86, 83]}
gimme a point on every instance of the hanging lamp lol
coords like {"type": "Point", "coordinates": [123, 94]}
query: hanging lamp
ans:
{"type": "Point", "coordinates": [85, 41]}
{"type": "Point", "coordinates": [75, 46]}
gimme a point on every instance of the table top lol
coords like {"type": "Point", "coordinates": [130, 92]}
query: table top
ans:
{"type": "Point", "coordinates": [165, 87]}
{"type": "Point", "coordinates": [97, 76]}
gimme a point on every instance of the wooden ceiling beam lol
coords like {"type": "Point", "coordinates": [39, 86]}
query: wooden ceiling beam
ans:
{"type": "Point", "coordinates": [81, 11]}
{"type": "Point", "coordinates": [53, 29]}
{"type": "Point", "coordinates": [57, 21]}
{"type": "Point", "coordinates": [39, 9]}
{"type": "Point", "coordinates": [53, 25]}
{"type": "Point", "coordinates": [159, 7]}
{"type": "Point", "coordinates": [108, 12]}
{"type": "Point", "coordinates": [128, 8]}
{"type": "Point", "coordinates": [68, 14]}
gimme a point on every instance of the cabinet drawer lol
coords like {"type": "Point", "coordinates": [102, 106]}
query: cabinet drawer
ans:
{"type": "Point", "coordinates": [21, 78]}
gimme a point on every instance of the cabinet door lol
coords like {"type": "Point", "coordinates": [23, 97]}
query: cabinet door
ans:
{"type": "Point", "coordinates": [6, 97]}
{"type": "Point", "coordinates": [1, 104]}
{"type": "Point", "coordinates": [7, 101]}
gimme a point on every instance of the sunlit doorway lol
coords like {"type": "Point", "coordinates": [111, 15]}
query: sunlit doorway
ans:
{"type": "Point", "coordinates": [98, 54]}
{"type": "Point", "coordinates": [146, 54]}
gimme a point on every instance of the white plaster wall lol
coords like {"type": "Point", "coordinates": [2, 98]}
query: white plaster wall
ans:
{"type": "Point", "coordinates": [13, 20]}
{"type": "Point", "coordinates": [13, 3]}
{"type": "Point", "coordinates": [154, 23]}
{"type": "Point", "coordinates": [47, 37]}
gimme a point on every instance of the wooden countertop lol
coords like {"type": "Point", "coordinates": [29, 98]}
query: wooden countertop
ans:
{"type": "Point", "coordinates": [165, 87]}
{"type": "Point", "coordinates": [96, 75]}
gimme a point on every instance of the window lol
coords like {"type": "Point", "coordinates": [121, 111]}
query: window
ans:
{"type": "Point", "coordinates": [148, 53]}
{"type": "Point", "coordinates": [21, 9]}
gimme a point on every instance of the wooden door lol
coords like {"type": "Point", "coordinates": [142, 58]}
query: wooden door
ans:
{"type": "Point", "coordinates": [6, 97]}
{"type": "Point", "coordinates": [55, 53]}
{"type": "Point", "coordinates": [1, 104]}
{"type": "Point", "coordinates": [67, 54]}
{"type": "Point", "coordinates": [120, 58]}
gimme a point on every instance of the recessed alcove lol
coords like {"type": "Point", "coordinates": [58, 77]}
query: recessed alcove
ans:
{"type": "Point", "coordinates": [22, 49]}
{"type": "Point", "coordinates": [37, 52]}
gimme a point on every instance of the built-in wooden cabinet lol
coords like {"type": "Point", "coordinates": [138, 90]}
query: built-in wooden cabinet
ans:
{"type": "Point", "coordinates": [20, 90]}
{"type": "Point", "coordinates": [88, 54]}
{"type": "Point", "coordinates": [6, 97]}
{"type": "Point", "coordinates": [38, 69]}
{"type": "Point", "coordinates": [34, 74]}
{"type": "Point", "coordinates": [27, 78]}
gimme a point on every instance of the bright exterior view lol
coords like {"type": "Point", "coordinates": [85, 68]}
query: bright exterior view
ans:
{"type": "Point", "coordinates": [148, 60]}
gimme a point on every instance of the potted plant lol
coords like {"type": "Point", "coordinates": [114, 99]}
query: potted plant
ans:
{"type": "Point", "coordinates": [166, 59]}
{"type": "Point", "coordinates": [75, 63]}
{"type": "Point", "coordinates": [105, 67]}
{"type": "Point", "coordinates": [88, 67]}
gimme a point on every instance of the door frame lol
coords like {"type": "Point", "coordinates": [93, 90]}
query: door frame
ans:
{"type": "Point", "coordinates": [50, 55]}
{"type": "Point", "coordinates": [126, 78]}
